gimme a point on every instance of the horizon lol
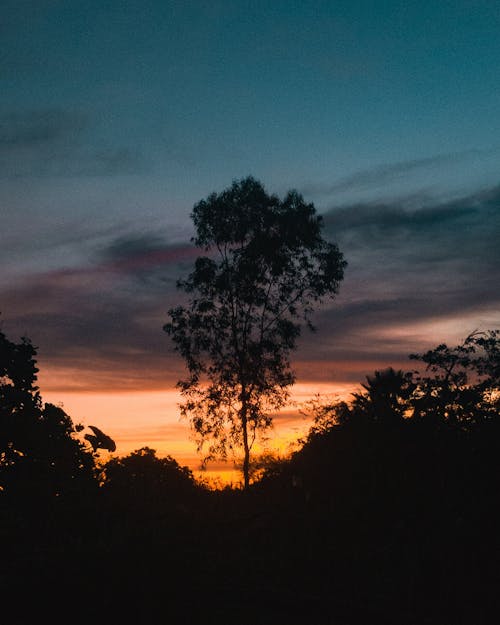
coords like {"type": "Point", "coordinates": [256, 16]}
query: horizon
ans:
{"type": "Point", "coordinates": [115, 120]}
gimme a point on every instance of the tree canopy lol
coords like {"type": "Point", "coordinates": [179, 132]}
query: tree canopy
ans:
{"type": "Point", "coordinates": [39, 452]}
{"type": "Point", "coordinates": [460, 386]}
{"type": "Point", "coordinates": [266, 267]}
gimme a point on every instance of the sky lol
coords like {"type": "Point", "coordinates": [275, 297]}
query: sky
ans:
{"type": "Point", "coordinates": [117, 117]}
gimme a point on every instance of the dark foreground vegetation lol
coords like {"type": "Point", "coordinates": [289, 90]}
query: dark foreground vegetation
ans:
{"type": "Point", "coordinates": [387, 514]}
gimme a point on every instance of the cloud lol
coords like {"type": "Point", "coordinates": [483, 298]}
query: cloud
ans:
{"type": "Point", "coordinates": [40, 127]}
{"type": "Point", "coordinates": [58, 142]}
{"type": "Point", "coordinates": [463, 230]}
{"type": "Point", "coordinates": [411, 274]}
{"type": "Point", "coordinates": [92, 335]}
{"type": "Point", "coordinates": [141, 247]}
{"type": "Point", "coordinates": [382, 175]}
{"type": "Point", "coordinates": [99, 326]}
{"type": "Point", "coordinates": [146, 257]}
{"type": "Point", "coordinates": [415, 277]}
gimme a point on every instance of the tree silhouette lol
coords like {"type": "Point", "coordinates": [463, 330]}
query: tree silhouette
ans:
{"type": "Point", "coordinates": [99, 440]}
{"type": "Point", "coordinates": [385, 396]}
{"type": "Point", "coordinates": [39, 454]}
{"type": "Point", "coordinates": [141, 478]}
{"type": "Point", "coordinates": [408, 479]}
{"type": "Point", "coordinates": [462, 384]}
{"type": "Point", "coordinates": [266, 267]}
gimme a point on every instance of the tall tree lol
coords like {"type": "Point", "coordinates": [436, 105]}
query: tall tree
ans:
{"type": "Point", "coordinates": [266, 267]}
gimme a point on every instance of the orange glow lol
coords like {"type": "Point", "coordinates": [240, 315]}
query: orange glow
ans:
{"type": "Point", "coordinates": [151, 418]}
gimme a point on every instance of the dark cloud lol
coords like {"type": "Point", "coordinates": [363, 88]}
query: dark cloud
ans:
{"type": "Point", "coordinates": [383, 215]}
{"type": "Point", "coordinates": [148, 258]}
{"type": "Point", "coordinates": [56, 143]}
{"type": "Point", "coordinates": [93, 333]}
{"type": "Point", "coordinates": [133, 246]}
{"type": "Point", "coordinates": [99, 326]}
{"type": "Point", "coordinates": [410, 271]}
{"type": "Point", "coordinates": [40, 127]}
{"type": "Point", "coordinates": [385, 174]}
{"type": "Point", "coordinates": [108, 162]}
{"type": "Point", "coordinates": [463, 231]}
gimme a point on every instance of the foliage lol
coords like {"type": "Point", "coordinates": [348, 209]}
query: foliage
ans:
{"type": "Point", "coordinates": [99, 440]}
{"type": "Point", "coordinates": [464, 382]}
{"type": "Point", "coordinates": [449, 413]}
{"type": "Point", "coordinates": [142, 475]}
{"type": "Point", "coordinates": [385, 396]}
{"type": "Point", "coordinates": [460, 386]}
{"type": "Point", "coordinates": [388, 513]}
{"type": "Point", "coordinates": [144, 483]}
{"type": "Point", "coordinates": [266, 268]}
{"type": "Point", "coordinates": [39, 452]}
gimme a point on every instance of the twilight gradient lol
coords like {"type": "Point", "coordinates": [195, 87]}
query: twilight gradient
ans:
{"type": "Point", "coordinates": [117, 117]}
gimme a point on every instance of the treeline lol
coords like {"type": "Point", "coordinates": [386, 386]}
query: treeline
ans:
{"type": "Point", "coordinates": [387, 513]}
{"type": "Point", "coordinates": [398, 491]}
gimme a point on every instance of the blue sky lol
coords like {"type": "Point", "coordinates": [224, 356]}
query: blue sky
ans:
{"type": "Point", "coordinates": [116, 117]}
{"type": "Point", "coordinates": [188, 95]}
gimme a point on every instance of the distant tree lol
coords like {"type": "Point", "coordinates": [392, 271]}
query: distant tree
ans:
{"type": "Point", "coordinates": [267, 267]}
{"type": "Point", "coordinates": [40, 453]}
{"type": "Point", "coordinates": [385, 397]}
{"type": "Point", "coordinates": [142, 476]}
{"type": "Point", "coordinates": [461, 384]}
{"type": "Point", "coordinates": [433, 434]}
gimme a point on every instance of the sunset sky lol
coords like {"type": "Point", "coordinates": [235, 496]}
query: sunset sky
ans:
{"type": "Point", "coordinates": [116, 117]}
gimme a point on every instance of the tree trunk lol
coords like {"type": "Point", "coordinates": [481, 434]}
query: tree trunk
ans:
{"type": "Point", "coordinates": [246, 448]}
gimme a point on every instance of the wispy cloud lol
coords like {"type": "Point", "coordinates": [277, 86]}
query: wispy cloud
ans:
{"type": "Point", "coordinates": [409, 271]}
{"type": "Point", "coordinates": [34, 128]}
{"type": "Point", "coordinates": [99, 325]}
{"type": "Point", "coordinates": [465, 229]}
{"type": "Point", "coordinates": [56, 142]}
{"type": "Point", "coordinates": [381, 175]}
